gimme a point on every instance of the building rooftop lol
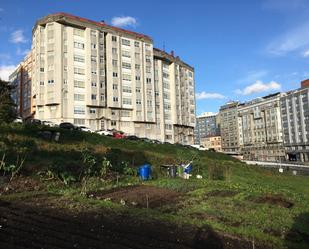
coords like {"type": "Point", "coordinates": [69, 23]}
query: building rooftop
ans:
{"type": "Point", "coordinates": [65, 17]}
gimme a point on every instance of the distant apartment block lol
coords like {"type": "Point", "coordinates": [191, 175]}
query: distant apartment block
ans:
{"type": "Point", "coordinates": [295, 122]}
{"type": "Point", "coordinates": [21, 81]}
{"type": "Point", "coordinates": [212, 143]}
{"type": "Point", "coordinates": [207, 124]}
{"type": "Point", "coordinates": [260, 129]}
{"type": "Point", "coordinates": [229, 128]}
{"type": "Point", "coordinates": [92, 74]}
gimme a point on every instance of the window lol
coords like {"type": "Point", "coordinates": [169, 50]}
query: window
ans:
{"type": "Point", "coordinates": [102, 97]}
{"type": "Point", "coordinates": [125, 42]}
{"type": "Point", "coordinates": [138, 89]}
{"type": "Point", "coordinates": [137, 66]}
{"type": "Point", "coordinates": [79, 110]}
{"type": "Point", "coordinates": [148, 80]}
{"type": "Point", "coordinates": [92, 110]}
{"type": "Point", "coordinates": [148, 69]}
{"type": "Point", "coordinates": [79, 84]}
{"type": "Point", "coordinates": [126, 65]}
{"type": "Point", "coordinates": [115, 99]}
{"type": "Point", "coordinates": [42, 69]}
{"type": "Point", "coordinates": [101, 59]}
{"type": "Point", "coordinates": [125, 114]}
{"type": "Point", "coordinates": [79, 45]}
{"type": "Point", "coordinates": [93, 71]}
{"type": "Point", "coordinates": [126, 89]}
{"type": "Point", "coordinates": [115, 86]}
{"type": "Point", "coordinates": [114, 50]}
{"type": "Point", "coordinates": [138, 102]}
{"type": "Point", "coordinates": [126, 77]}
{"type": "Point", "coordinates": [93, 58]}
{"type": "Point", "coordinates": [93, 96]}
{"type": "Point", "coordinates": [93, 33]}
{"type": "Point", "coordinates": [79, 71]}
{"type": "Point", "coordinates": [79, 32]}
{"type": "Point", "coordinates": [79, 121]}
{"type": "Point", "coordinates": [93, 84]}
{"type": "Point", "coordinates": [136, 44]}
{"type": "Point", "coordinates": [50, 81]}
{"type": "Point", "coordinates": [65, 68]}
{"type": "Point", "coordinates": [79, 97]}
{"type": "Point", "coordinates": [115, 74]}
{"type": "Point", "coordinates": [126, 54]}
{"type": "Point", "coordinates": [113, 123]}
{"type": "Point", "coordinates": [115, 63]}
{"type": "Point", "coordinates": [93, 46]}
{"type": "Point", "coordinates": [41, 83]}
{"type": "Point", "coordinates": [137, 77]}
{"type": "Point", "coordinates": [126, 101]}
{"type": "Point", "coordinates": [137, 55]}
{"type": "Point", "coordinates": [79, 58]}
{"type": "Point", "coordinates": [114, 38]}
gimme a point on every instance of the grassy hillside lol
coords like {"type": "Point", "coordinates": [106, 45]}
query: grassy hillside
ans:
{"type": "Point", "coordinates": [232, 198]}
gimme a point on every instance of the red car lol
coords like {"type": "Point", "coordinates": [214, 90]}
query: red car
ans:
{"type": "Point", "coordinates": [118, 135]}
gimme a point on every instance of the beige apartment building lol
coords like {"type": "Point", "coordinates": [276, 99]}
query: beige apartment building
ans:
{"type": "Point", "coordinates": [92, 74]}
{"type": "Point", "coordinates": [212, 143]}
{"type": "Point", "coordinates": [229, 127]}
{"type": "Point", "coordinates": [260, 129]}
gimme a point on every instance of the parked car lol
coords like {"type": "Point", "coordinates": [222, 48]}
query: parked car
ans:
{"type": "Point", "coordinates": [199, 147]}
{"type": "Point", "coordinates": [132, 137]}
{"type": "Point", "coordinates": [105, 132]}
{"type": "Point", "coordinates": [33, 121]}
{"type": "Point", "coordinates": [86, 129]}
{"type": "Point", "coordinates": [67, 125]}
{"type": "Point", "coordinates": [18, 120]}
{"type": "Point", "coordinates": [49, 123]}
{"type": "Point", "coordinates": [118, 134]}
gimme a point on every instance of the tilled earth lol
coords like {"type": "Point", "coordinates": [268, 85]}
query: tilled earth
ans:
{"type": "Point", "coordinates": [40, 220]}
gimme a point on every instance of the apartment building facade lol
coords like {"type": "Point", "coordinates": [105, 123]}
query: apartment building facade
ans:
{"type": "Point", "coordinates": [212, 143]}
{"type": "Point", "coordinates": [295, 123]}
{"type": "Point", "coordinates": [260, 129]}
{"type": "Point", "coordinates": [22, 87]}
{"type": "Point", "coordinates": [90, 73]}
{"type": "Point", "coordinates": [229, 127]}
{"type": "Point", "coordinates": [206, 125]}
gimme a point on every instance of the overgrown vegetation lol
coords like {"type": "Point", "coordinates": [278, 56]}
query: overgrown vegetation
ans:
{"type": "Point", "coordinates": [231, 197]}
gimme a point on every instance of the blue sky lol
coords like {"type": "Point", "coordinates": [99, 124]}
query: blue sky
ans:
{"type": "Point", "coordinates": [240, 49]}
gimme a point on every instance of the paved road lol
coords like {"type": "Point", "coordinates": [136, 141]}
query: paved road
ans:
{"type": "Point", "coordinates": [278, 165]}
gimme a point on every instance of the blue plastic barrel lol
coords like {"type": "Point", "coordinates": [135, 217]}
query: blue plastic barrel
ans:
{"type": "Point", "coordinates": [188, 169]}
{"type": "Point", "coordinates": [145, 172]}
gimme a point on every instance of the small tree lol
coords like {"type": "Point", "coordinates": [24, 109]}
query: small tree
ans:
{"type": "Point", "coordinates": [7, 106]}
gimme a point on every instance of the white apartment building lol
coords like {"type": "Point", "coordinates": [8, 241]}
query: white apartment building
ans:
{"type": "Point", "coordinates": [90, 73]}
{"type": "Point", "coordinates": [295, 122]}
{"type": "Point", "coordinates": [260, 129]}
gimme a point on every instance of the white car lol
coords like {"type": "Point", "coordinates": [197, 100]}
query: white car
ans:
{"type": "Point", "coordinates": [86, 129]}
{"type": "Point", "coordinates": [49, 123]}
{"type": "Point", "coordinates": [18, 120]}
{"type": "Point", "coordinates": [105, 132]}
{"type": "Point", "coordinates": [199, 147]}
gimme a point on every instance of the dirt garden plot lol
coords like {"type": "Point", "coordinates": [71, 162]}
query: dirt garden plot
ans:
{"type": "Point", "coordinates": [272, 200]}
{"type": "Point", "coordinates": [139, 196]}
{"type": "Point", "coordinates": [43, 222]}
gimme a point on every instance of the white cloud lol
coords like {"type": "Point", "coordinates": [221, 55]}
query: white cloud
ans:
{"type": "Point", "coordinates": [5, 71]}
{"type": "Point", "coordinates": [306, 53]}
{"type": "Point", "coordinates": [123, 21]}
{"type": "Point", "coordinates": [259, 87]}
{"type": "Point", "coordinates": [205, 95]}
{"type": "Point", "coordinates": [18, 36]}
{"type": "Point", "coordinates": [293, 40]}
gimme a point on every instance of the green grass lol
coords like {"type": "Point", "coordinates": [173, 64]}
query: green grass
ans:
{"type": "Point", "coordinates": [236, 215]}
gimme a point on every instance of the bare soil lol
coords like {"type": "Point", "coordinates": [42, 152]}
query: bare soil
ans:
{"type": "Point", "coordinates": [19, 184]}
{"type": "Point", "coordinates": [39, 222]}
{"type": "Point", "coordinates": [141, 196]}
{"type": "Point", "coordinates": [272, 200]}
